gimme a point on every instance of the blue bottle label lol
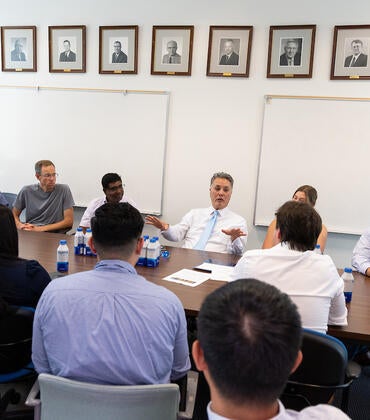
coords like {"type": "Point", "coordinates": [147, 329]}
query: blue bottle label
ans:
{"type": "Point", "coordinates": [348, 296]}
{"type": "Point", "coordinates": [62, 267]}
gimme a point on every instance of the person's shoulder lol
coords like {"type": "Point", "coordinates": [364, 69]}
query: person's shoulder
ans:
{"type": "Point", "coordinates": [233, 214]}
{"type": "Point", "coordinates": [321, 411]}
{"type": "Point", "coordinates": [34, 267]}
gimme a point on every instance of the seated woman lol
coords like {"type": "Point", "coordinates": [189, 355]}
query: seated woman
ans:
{"type": "Point", "coordinates": [21, 281]}
{"type": "Point", "coordinates": [306, 194]}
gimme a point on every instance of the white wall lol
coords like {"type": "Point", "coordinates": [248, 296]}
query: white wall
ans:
{"type": "Point", "coordinates": [214, 123]}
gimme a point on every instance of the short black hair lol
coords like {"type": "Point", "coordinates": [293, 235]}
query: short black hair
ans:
{"type": "Point", "coordinates": [299, 224]}
{"type": "Point", "coordinates": [250, 333]}
{"type": "Point", "coordinates": [116, 225]}
{"type": "Point", "coordinates": [108, 178]}
{"type": "Point", "coordinates": [9, 234]}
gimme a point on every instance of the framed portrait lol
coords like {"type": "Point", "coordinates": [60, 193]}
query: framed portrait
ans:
{"type": "Point", "coordinates": [229, 50]}
{"type": "Point", "coordinates": [351, 48]}
{"type": "Point", "coordinates": [172, 49]}
{"type": "Point", "coordinates": [118, 49]}
{"type": "Point", "coordinates": [18, 48]}
{"type": "Point", "coordinates": [291, 51]}
{"type": "Point", "coordinates": [67, 49]}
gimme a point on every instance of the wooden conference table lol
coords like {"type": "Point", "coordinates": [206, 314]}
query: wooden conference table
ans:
{"type": "Point", "coordinates": [43, 246]}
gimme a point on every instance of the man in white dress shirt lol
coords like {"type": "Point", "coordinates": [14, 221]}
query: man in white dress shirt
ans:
{"type": "Point", "coordinates": [114, 193]}
{"type": "Point", "coordinates": [215, 228]}
{"type": "Point", "coordinates": [249, 336]}
{"type": "Point", "coordinates": [311, 279]}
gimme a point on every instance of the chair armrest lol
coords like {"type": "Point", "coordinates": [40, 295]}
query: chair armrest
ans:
{"type": "Point", "coordinates": [183, 386]}
{"type": "Point", "coordinates": [33, 398]}
{"type": "Point", "coordinates": [353, 370]}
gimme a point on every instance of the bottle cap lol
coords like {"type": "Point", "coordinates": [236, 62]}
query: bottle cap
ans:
{"type": "Point", "coordinates": [88, 230]}
{"type": "Point", "coordinates": [79, 229]}
{"type": "Point", "coordinates": [317, 246]}
{"type": "Point", "coordinates": [348, 270]}
{"type": "Point", "coordinates": [63, 242]}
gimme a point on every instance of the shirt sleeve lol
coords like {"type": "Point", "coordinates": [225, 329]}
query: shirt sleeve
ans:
{"type": "Point", "coordinates": [181, 361]}
{"type": "Point", "coordinates": [361, 253]}
{"type": "Point", "coordinates": [20, 201]}
{"type": "Point", "coordinates": [178, 232]}
{"type": "Point", "coordinates": [39, 357]}
{"type": "Point", "coordinates": [68, 201]}
{"type": "Point", "coordinates": [38, 279]}
{"type": "Point", "coordinates": [238, 245]}
{"type": "Point", "coordinates": [338, 309]}
{"type": "Point", "coordinates": [240, 270]}
{"type": "Point", "coordinates": [89, 212]}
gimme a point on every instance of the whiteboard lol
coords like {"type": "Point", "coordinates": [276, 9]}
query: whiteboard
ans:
{"type": "Point", "coordinates": [323, 142]}
{"type": "Point", "coordinates": [86, 133]}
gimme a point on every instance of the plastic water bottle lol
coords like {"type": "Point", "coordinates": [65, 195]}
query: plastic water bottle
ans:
{"type": "Point", "coordinates": [151, 257]}
{"type": "Point", "coordinates": [348, 280]}
{"type": "Point", "coordinates": [317, 249]}
{"type": "Point", "coordinates": [62, 256]}
{"type": "Point", "coordinates": [157, 249]}
{"type": "Point", "coordinates": [79, 242]}
{"type": "Point", "coordinates": [87, 236]}
{"type": "Point", "coordinates": [142, 259]}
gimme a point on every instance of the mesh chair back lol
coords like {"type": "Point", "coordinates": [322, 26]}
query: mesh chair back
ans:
{"type": "Point", "coordinates": [63, 398]}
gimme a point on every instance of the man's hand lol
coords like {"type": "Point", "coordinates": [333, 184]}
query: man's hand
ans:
{"type": "Point", "coordinates": [234, 233]}
{"type": "Point", "coordinates": [152, 220]}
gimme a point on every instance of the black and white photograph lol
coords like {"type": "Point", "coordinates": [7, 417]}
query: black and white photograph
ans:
{"type": "Point", "coordinates": [291, 51]}
{"type": "Point", "coordinates": [351, 48]}
{"type": "Point", "coordinates": [118, 49]}
{"type": "Point", "coordinates": [67, 49]}
{"type": "Point", "coordinates": [229, 49]}
{"type": "Point", "coordinates": [18, 48]}
{"type": "Point", "coordinates": [172, 48]}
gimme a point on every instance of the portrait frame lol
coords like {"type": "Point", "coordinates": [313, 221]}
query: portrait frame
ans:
{"type": "Point", "coordinates": [239, 41]}
{"type": "Point", "coordinates": [13, 58]}
{"type": "Point", "coordinates": [346, 63]}
{"type": "Point", "coordinates": [62, 60]}
{"type": "Point", "coordinates": [124, 62]}
{"type": "Point", "coordinates": [291, 51]}
{"type": "Point", "coordinates": [181, 39]}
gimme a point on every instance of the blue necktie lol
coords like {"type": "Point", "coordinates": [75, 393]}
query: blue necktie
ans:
{"type": "Point", "coordinates": [207, 232]}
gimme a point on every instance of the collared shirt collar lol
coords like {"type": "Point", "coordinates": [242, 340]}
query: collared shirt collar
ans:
{"type": "Point", "coordinates": [115, 265]}
{"type": "Point", "coordinates": [221, 212]}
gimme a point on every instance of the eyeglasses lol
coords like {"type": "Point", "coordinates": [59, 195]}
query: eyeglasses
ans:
{"type": "Point", "coordinates": [116, 188]}
{"type": "Point", "coordinates": [49, 175]}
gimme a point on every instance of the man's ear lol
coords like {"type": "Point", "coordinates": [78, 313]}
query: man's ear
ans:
{"type": "Point", "coordinates": [139, 246]}
{"type": "Point", "coordinates": [297, 362]}
{"type": "Point", "coordinates": [91, 244]}
{"type": "Point", "coordinates": [198, 356]}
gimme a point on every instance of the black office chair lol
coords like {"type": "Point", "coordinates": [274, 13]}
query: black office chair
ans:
{"type": "Point", "coordinates": [15, 350]}
{"type": "Point", "coordinates": [324, 370]}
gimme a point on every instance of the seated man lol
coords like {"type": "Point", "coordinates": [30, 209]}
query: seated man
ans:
{"type": "Point", "coordinates": [49, 206]}
{"type": "Point", "coordinates": [110, 325]}
{"type": "Point", "coordinates": [215, 228]}
{"type": "Point", "coordinates": [249, 342]}
{"type": "Point", "coordinates": [361, 254]}
{"type": "Point", "coordinates": [311, 280]}
{"type": "Point", "coordinates": [114, 193]}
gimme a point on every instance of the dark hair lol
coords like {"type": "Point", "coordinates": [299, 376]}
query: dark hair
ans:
{"type": "Point", "coordinates": [9, 234]}
{"type": "Point", "coordinates": [40, 163]}
{"type": "Point", "coordinates": [108, 178]}
{"type": "Point", "coordinates": [116, 225]}
{"type": "Point", "coordinates": [311, 194]}
{"type": "Point", "coordinates": [300, 225]}
{"type": "Point", "coordinates": [250, 333]}
{"type": "Point", "coordinates": [222, 175]}
{"type": "Point", "coordinates": [117, 42]}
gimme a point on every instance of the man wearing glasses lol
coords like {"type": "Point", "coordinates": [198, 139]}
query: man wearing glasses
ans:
{"type": "Point", "coordinates": [48, 205]}
{"type": "Point", "coordinates": [114, 193]}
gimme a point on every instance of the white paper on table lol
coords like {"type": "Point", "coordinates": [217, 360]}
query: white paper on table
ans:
{"type": "Point", "coordinates": [217, 271]}
{"type": "Point", "coordinates": [188, 277]}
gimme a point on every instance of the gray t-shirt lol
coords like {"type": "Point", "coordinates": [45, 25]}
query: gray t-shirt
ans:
{"type": "Point", "coordinates": [44, 208]}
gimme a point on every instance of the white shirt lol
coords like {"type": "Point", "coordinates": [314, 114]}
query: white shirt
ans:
{"type": "Point", "coordinates": [192, 226]}
{"type": "Point", "coordinates": [361, 253]}
{"type": "Point", "coordinates": [310, 279]}
{"type": "Point", "coordinates": [321, 411]}
{"type": "Point", "coordinates": [95, 204]}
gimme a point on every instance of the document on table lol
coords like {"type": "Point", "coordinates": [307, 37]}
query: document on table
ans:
{"type": "Point", "coordinates": [188, 277]}
{"type": "Point", "coordinates": [216, 271]}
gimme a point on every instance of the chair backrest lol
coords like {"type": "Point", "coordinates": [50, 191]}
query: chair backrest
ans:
{"type": "Point", "coordinates": [324, 365]}
{"type": "Point", "coordinates": [63, 398]}
{"type": "Point", "coordinates": [15, 338]}
{"type": "Point", "coordinates": [10, 198]}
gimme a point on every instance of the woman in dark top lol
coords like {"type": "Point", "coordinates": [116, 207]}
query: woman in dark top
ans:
{"type": "Point", "coordinates": [21, 281]}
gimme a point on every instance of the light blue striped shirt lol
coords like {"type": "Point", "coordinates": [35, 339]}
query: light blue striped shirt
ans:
{"type": "Point", "coordinates": [110, 326]}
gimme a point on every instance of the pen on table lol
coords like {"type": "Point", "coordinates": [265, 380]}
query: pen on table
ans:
{"type": "Point", "coordinates": [203, 270]}
{"type": "Point", "coordinates": [184, 280]}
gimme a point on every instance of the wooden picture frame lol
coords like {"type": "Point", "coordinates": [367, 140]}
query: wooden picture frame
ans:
{"type": "Point", "coordinates": [351, 49]}
{"type": "Point", "coordinates": [229, 50]}
{"type": "Point", "coordinates": [18, 48]}
{"type": "Point", "coordinates": [172, 50]}
{"type": "Point", "coordinates": [291, 51]}
{"type": "Point", "coordinates": [67, 49]}
{"type": "Point", "coordinates": [118, 46]}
